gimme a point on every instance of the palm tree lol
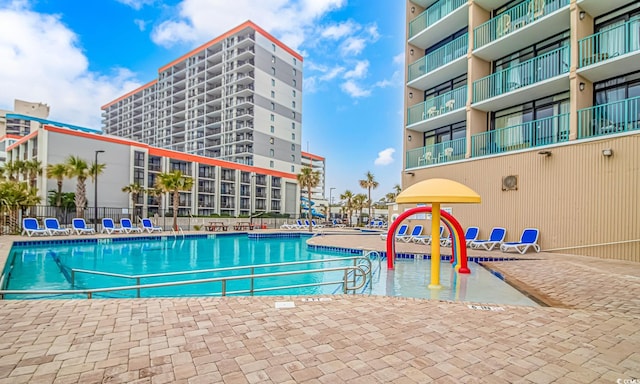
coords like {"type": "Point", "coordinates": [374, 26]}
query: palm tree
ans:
{"type": "Point", "coordinates": [369, 182]}
{"type": "Point", "coordinates": [359, 202]}
{"type": "Point", "coordinates": [347, 198]}
{"type": "Point", "coordinates": [391, 196]}
{"type": "Point", "coordinates": [34, 169]}
{"type": "Point", "coordinates": [81, 170]}
{"type": "Point", "coordinates": [309, 179]}
{"type": "Point", "coordinates": [14, 195]}
{"type": "Point", "coordinates": [135, 190]}
{"type": "Point", "coordinates": [174, 182]}
{"type": "Point", "coordinates": [13, 168]}
{"type": "Point", "coordinates": [58, 172]}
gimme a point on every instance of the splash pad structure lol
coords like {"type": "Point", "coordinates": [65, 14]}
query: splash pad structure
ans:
{"type": "Point", "coordinates": [435, 192]}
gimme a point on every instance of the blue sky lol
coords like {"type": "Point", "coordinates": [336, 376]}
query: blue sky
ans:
{"type": "Point", "coordinates": [77, 55]}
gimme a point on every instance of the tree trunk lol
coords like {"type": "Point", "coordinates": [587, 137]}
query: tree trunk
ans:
{"type": "Point", "coordinates": [176, 202]}
{"type": "Point", "coordinates": [80, 198]}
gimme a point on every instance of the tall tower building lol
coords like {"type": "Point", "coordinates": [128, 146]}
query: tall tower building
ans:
{"type": "Point", "coordinates": [236, 98]}
{"type": "Point", "coordinates": [534, 104]}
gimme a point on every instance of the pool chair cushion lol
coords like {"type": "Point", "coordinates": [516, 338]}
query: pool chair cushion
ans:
{"type": "Point", "coordinates": [496, 237]}
{"type": "Point", "coordinates": [52, 225]}
{"type": "Point", "coordinates": [80, 227]}
{"type": "Point", "coordinates": [529, 239]}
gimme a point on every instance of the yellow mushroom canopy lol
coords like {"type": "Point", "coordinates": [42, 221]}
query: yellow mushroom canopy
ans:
{"type": "Point", "coordinates": [438, 191]}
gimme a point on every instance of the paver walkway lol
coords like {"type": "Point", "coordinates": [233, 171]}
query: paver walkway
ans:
{"type": "Point", "coordinates": [592, 336]}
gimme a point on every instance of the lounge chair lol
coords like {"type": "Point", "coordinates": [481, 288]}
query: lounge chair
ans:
{"type": "Point", "coordinates": [285, 225]}
{"type": "Point", "coordinates": [80, 227]}
{"type": "Point", "coordinates": [496, 237]}
{"type": "Point", "coordinates": [128, 227]}
{"type": "Point", "coordinates": [52, 225]}
{"type": "Point", "coordinates": [426, 239]}
{"type": "Point", "coordinates": [315, 224]}
{"type": "Point", "coordinates": [335, 224]}
{"type": "Point", "coordinates": [148, 226]}
{"type": "Point", "coordinates": [30, 227]}
{"type": "Point", "coordinates": [470, 235]}
{"type": "Point", "coordinates": [402, 231]}
{"type": "Point", "coordinates": [416, 231]}
{"type": "Point", "coordinates": [529, 239]}
{"type": "Point", "coordinates": [109, 227]}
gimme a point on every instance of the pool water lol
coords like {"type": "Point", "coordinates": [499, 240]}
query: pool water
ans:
{"type": "Point", "coordinates": [50, 268]}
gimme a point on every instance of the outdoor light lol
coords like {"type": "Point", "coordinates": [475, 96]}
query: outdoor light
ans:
{"type": "Point", "coordinates": [545, 153]}
{"type": "Point", "coordinates": [409, 138]}
{"type": "Point", "coordinates": [411, 51]}
{"type": "Point", "coordinates": [581, 85]}
{"type": "Point", "coordinates": [413, 9]}
{"type": "Point", "coordinates": [582, 14]}
{"type": "Point", "coordinates": [411, 95]}
{"type": "Point", "coordinates": [607, 152]}
{"type": "Point", "coordinates": [411, 174]}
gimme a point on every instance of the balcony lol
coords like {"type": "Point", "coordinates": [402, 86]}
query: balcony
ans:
{"type": "Point", "coordinates": [520, 26]}
{"type": "Point", "coordinates": [443, 18]}
{"type": "Point", "coordinates": [611, 118]}
{"type": "Point", "coordinates": [541, 76]}
{"type": "Point", "coordinates": [440, 153]}
{"type": "Point", "coordinates": [536, 133]}
{"type": "Point", "coordinates": [440, 65]}
{"type": "Point", "coordinates": [444, 109]}
{"type": "Point", "coordinates": [610, 53]}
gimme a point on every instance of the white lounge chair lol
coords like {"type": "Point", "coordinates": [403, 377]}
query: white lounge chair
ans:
{"type": "Point", "coordinates": [529, 239]}
{"type": "Point", "coordinates": [109, 227]}
{"type": "Point", "coordinates": [416, 231]}
{"type": "Point", "coordinates": [80, 227]}
{"type": "Point", "coordinates": [128, 227]}
{"type": "Point", "coordinates": [402, 231]}
{"type": "Point", "coordinates": [30, 227]}
{"type": "Point", "coordinates": [496, 237]}
{"type": "Point", "coordinates": [285, 225]}
{"type": "Point", "coordinates": [148, 226]}
{"type": "Point", "coordinates": [52, 225]}
{"type": "Point", "coordinates": [470, 235]}
{"type": "Point", "coordinates": [426, 239]}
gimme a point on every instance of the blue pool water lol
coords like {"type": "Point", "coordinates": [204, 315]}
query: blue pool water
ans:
{"type": "Point", "coordinates": [49, 267]}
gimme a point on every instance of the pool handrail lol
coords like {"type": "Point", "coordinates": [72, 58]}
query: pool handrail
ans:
{"type": "Point", "coordinates": [365, 274]}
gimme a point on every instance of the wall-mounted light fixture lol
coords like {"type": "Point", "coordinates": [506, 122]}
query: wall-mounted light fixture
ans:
{"type": "Point", "coordinates": [409, 138]}
{"type": "Point", "coordinates": [411, 95]}
{"type": "Point", "coordinates": [411, 174]}
{"type": "Point", "coordinates": [582, 15]}
{"type": "Point", "coordinates": [607, 152]}
{"type": "Point", "coordinates": [413, 9]}
{"type": "Point", "coordinates": [411, 51]}
{"type": "Point", "coordinates": [544, 153]}
{"type": "Point", "coordinates": [581, 86]}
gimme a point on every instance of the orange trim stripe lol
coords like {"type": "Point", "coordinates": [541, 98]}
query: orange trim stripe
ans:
{"type": "Point", "coordinates": [233, 31]}
{"type": "Point", "coordinates": [10, 136]}
{"type": "Point", "coordinates": [22, 140]}
{"type": "Point", "coordinates": [170, 153]}
{"type": "Point", "coordinates": [140, 88]}
{"type": "Point", "coordinates": [311, 156]}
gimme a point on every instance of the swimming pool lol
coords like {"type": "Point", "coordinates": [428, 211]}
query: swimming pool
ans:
{"type": "Point", "coordinates": [72, 265]}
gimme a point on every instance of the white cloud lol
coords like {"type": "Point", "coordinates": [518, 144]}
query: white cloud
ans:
{"type": "Point", "coordinates": [332, 73]}
{"type": "Point", "coordinates": [142, 25]}
{"type": "Point", "coordinates": [359, 71]}
{"type": "Point", "coordinates": [352, 46]}
{"type": "Point", "coordinates": [338, 31]}
{"type": "Point", "coordinates": [29, 71]}
{"type": "Point", "coordinates": [385, 157]}
{"type": "Point", "coordinates": [399, 59]}
{"type": "Point", "coordinates": [136, 4]}
{"type": "Point", "coordinates": [354, 90]}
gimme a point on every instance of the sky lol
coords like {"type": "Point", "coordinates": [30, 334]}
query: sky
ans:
{"type": "Point", "coordinates": [77, 55]}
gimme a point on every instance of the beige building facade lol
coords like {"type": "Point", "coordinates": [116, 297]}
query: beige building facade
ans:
{"type": "Point", "coordinates": [535, 105]}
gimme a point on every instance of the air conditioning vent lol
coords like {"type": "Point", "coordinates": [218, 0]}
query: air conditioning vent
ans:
{"type": "Point", "coordinates": [510, 183]}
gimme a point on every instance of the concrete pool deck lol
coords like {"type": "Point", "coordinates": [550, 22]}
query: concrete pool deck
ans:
{"type": "Point", "coordinates": [590, 335]}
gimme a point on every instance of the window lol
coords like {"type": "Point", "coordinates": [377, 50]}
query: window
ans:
{"type": "Point", "coordinates": [271, 163]}
{"type": "Point", "coordinates": [295, 83]}
{"type": "Point", "coordinates": [271, 140]}
{"type": "Point", "coordinates": [293, 125]}
{"type": "Point", "coordinates": [273, 117]}
{"type": "Point", "coordinates": [272, 153]}
{"type": "Point", "coordinates": [273, 71]}
{"type": "Point", "coordinates": [293, 136]}
{"type": "Point", "coordinates": [295, 61]}
{"type": "Point", "coordinates": [293, 158]}
{"type": "Point", "coordinates": [294, 93]}
{"type": "Point", "coordinates": [273, 47]}
{"type": "Point", "coordinates": [293, 104]}
{"type": "Point", "coordinates": [273, 94]}
{"type": "Point", "coordinates": [293, 169]}
{"type": "Point", "coordinates": [273, 82]}
{"type": "Point", "coordinates": [294, 72]}
{"type": "Point", "coordinates": [273, 59]}
{"type": "Point", "coordinates": [272, 129]}
{"type": "Point", "coordinates": [293, 114]}
{"type": "Point", "coordinates": [293, 147]}
{"type": "Point", "coordinates": [273, 106]}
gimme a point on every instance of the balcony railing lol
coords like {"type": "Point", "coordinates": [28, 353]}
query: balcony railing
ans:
{"type": "Point", "coordinates": [606, 119]}
{"type": "Point", "coordinates": [441, 56]}
{"type": "Point", "coordinates": [554, 129]}
{"type": "Point", "coordinates": [432, 14]}
{"type": "Point", "coordinates": [513, 19]}
{"type": "Point", "coordinates": [437, 153]}
{"type": "Point", "coordinates": [439, 105]}
{"type": "Point", "coordinates": [608, 44]}
{"type": "Point", "coordinates": [539, 68]}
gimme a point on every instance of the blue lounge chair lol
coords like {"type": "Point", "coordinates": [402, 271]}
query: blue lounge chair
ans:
{"type": "Point", "coordinates": [148, 226]}
{"type": "Point", "coordinates": [80, 227]}
{"type": "Point", "coordinates": [30, 227]}
{"type": "Point", "coordinates": [415, 232]}
{"type": "Point", "coordinates": [426, 239]}
{"type": "Point", "coordinates": [402, 231]}
{"type": "Point", "coordinates": [52, 225]}
{"type": "Point", "coordinates": [128, 227]}
{"type": "Point", "coordinates": [470, 235]}
{"type": "Point", "coordinates": [109, 227]}
{"type": "Point", "coordinates": [529, 239]}
{"type": "Point", "coordinates": [335, 224]}
{"type": "Point", "coordinates": [496, 237]}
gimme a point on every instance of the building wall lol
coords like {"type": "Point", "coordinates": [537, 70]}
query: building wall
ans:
{"type": "Point", "coordinates": [577, 197]}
